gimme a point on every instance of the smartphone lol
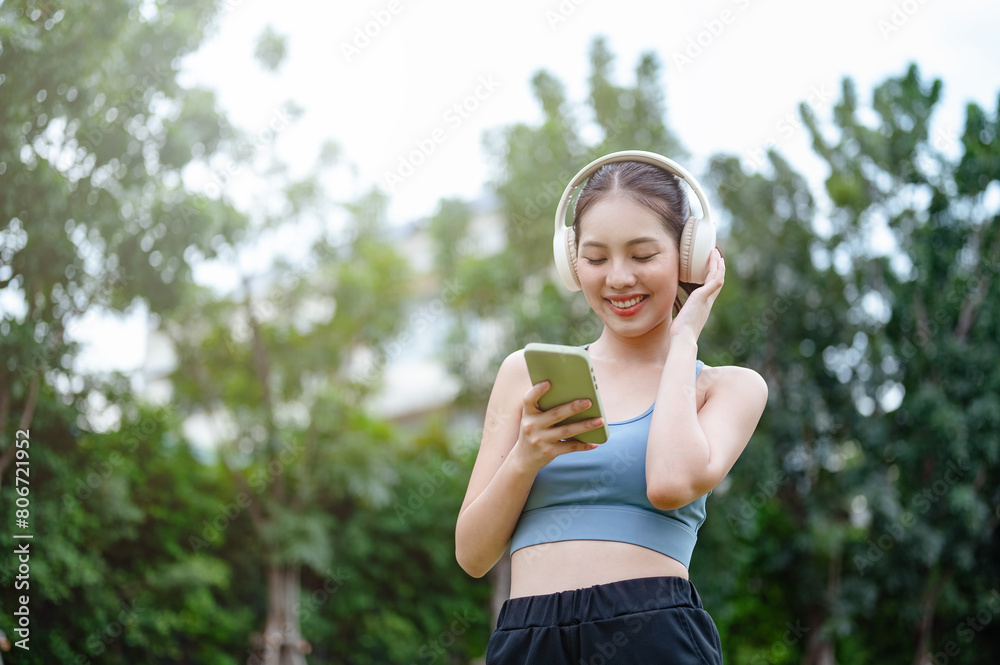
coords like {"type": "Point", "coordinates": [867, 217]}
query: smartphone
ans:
{"type": "Point", "coordinates": [569, 371]}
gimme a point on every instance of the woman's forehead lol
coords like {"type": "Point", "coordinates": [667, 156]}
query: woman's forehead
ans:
{"type": "Point", "coordinates": [621, 220]}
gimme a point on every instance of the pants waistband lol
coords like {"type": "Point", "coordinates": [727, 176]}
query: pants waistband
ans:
{"type": "Point", "coordinates": [602, 601]}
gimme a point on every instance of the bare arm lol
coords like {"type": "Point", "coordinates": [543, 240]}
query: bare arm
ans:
{"type": "Point", "coordinates": [518, 440]}
{"type": "Point", "coordinates": [691, 450]}
{"type": "Point", "coordinates": [692, 445]}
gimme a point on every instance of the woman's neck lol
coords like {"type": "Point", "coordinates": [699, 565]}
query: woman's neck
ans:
{"type": "Point", "coordinates": [650, 347]}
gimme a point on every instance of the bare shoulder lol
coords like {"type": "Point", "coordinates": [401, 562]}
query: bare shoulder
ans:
{"type": "Point", "coordinates": [511, 383]}
{"type": "Point", "coordinates": [740, 386]}
{"type": "Point", "coordinates": [513, 373]}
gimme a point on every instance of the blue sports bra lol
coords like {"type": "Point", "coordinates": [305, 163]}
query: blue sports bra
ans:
{"type": "Point", "coordinates": [600, 494]}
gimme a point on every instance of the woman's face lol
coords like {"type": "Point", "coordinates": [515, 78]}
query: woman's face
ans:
{"type": "Point", "coordinates": [628, 265]}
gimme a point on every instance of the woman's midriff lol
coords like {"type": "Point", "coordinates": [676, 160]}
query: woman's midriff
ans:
{"type": "Point", "coordinates": [577, 564]}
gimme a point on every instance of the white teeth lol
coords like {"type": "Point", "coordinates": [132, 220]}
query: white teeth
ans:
{"type": "Point", "coordinates": [627, 303]}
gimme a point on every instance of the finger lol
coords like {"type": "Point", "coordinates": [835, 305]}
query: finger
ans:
{"type": "Point", "coordinates": [576, 429]}
{"type": "Point", "coordinates": [534, 394]}
{"type": "Point", "coordinates": [560, 413]}
{"type": "Point", "coordinates": [717, 273]}
{"type": "Point", "coordinates": [574, 445]}
{"type": "Point", "coordinates": [568, 409]}
{"type": "Point", "coordinates": [718, 263]}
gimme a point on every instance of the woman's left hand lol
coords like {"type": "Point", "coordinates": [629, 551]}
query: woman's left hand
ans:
{"type": "Point", "coordinates": [694, 314]}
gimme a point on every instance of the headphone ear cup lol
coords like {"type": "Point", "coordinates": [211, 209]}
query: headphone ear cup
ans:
{"type": "Point", "coordinates": [564, 253]}
{"type": "Point", "coordinates": [697, 242]}
{"type": "Point", "coordinates": [687, 245]}
{"type": "Point", "coordinates": [571, 252]}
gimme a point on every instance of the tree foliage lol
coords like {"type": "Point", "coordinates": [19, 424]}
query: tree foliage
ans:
{"type": "Point", "coordinates": [861, 522]}
{"type": "Point", "coordinates": [149, 551]}
{"type": "Point", "coordinates": [860, 525]}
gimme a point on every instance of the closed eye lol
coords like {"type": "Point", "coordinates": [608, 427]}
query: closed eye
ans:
{"type": "Point", "coordinates": [597, 262]}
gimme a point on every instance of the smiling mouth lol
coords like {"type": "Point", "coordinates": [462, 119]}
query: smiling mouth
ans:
{"type": "Point", "coordinates": [625, 304]}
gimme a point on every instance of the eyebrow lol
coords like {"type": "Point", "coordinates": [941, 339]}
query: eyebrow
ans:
{"type": "Point", "coordinates": [633, 241]}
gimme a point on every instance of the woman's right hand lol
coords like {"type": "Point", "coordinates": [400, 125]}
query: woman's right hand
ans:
{"type": "Point", "coordinates": [541, 440]}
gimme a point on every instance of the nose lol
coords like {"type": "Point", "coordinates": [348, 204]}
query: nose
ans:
{"type": "Point", "coordinates": [621, 275]}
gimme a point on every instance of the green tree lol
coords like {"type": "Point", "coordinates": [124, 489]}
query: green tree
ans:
{"type": "Point", "coordinates": [94, 134]}
{"type": "Point", "coordinates": [866, 508]}
{"type": "Point", "coordinates": [860, 524]}
{"type": "Point", "coordinates": [929, 314]}
{"type": "Point", "coordinates": [287, 363]}
{"type": "Point", "coordinates": [287, 524]}
{"type": "Point", "coordinates": [110, 578]}
{"type": "Point", "coordinates": [92, 145]}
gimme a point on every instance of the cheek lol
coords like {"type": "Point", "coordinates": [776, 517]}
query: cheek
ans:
{"type": "Point", "coordinates": [591, 280]}
{"type": "Point", "coordinates": [663, 268]}
{"type": "Point", "coordinates": [666, 272]}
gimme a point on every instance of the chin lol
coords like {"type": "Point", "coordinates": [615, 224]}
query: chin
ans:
{"type": "Point", "coordinates": [635, 326]}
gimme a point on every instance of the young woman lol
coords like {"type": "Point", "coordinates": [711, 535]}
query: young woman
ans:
{"type": "Point", "coordinates": [601, 535]}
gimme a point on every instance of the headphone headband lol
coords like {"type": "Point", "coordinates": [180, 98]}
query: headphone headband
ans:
{"type": "Point", "coordinates": [565, 255]}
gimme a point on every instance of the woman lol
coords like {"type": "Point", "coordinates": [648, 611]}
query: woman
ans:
{"type": "Point", "coordinates": [601, 535]}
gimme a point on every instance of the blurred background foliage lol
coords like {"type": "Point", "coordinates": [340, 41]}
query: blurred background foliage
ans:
{"type": "Point", "coordinates": [860, 525]}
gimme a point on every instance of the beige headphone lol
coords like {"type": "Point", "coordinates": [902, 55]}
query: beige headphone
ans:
{"type": "Point", "coordinates": [697, 238]}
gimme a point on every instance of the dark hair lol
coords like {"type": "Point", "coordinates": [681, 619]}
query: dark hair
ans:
{"type": "Point", "coordinates": [651, 187]}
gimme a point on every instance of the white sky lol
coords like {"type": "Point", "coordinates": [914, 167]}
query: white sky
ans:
{"type": "Point", "coordinates": [758, 60]}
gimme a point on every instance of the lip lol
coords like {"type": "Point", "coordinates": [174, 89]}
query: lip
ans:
{"type": "Point", "coordinates": [630, 311]}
